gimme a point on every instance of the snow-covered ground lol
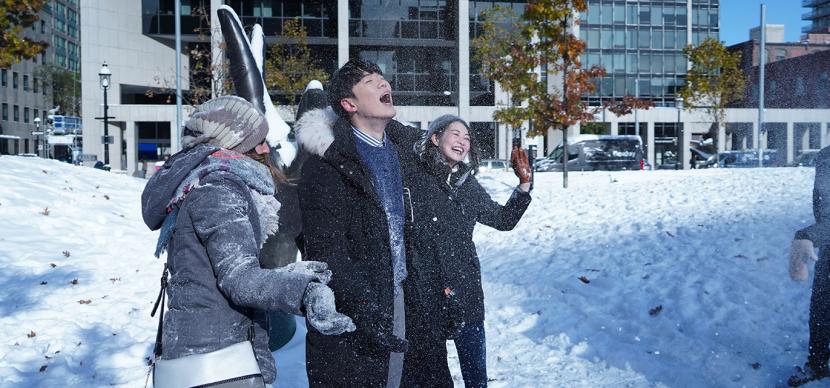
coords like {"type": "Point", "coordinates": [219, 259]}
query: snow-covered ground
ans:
{"type": "Point", "coordinates": [637, 279]}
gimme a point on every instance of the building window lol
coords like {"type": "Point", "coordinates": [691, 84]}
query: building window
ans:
{"type": "Point", "coordinates": [14, 80]}
{"type": "Point", "coordinates": [5, 112]}
{"type": "Point", "coordinates": [26, 82]}
{"type": "Point", "coordinates": [34, 84]}
{"type": "Point", "coordinates": [16, 113]}
{"type": "Point", "coordinates": [42, 27]}
{"type": "Point", "coordinates": [780, 54]}
{"type": "Point", "coordinates": [26, 115]}
{"type": "Point", "coordinates": [3, 77]}
{"type": "Point", "coordinates": [35, 113]}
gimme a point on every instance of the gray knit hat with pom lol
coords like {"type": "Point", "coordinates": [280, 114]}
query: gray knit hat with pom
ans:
{"type": "Point", "coordinates": [229, 122]}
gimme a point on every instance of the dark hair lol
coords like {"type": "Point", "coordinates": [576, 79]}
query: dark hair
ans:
{"type": "Point", "coordinates": [429, 153]}
{"type": "Point", "coordinates": [276, 174]}
{"type": "Point", "coordinates": [345, 78]}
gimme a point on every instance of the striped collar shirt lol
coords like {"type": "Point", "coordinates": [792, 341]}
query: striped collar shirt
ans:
{"type": "Point", "coordinates": [368, 139]}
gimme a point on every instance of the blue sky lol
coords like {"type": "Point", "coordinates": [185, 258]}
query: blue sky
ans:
{"type": "Point", "coordinates": [738, 16]}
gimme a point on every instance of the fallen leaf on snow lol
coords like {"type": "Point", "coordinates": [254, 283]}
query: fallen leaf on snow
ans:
{"type": "Point", "coordinates": [653, 312]}
{"type": "Point", "coordinates": [31, 334]}
{"type": "Point", "coordinates": [66, 254]}
{"type": "Point", "coordinates": [84, 301]}
{"type": "Point", "coordinates": [583, 279]}
{"type": "Point", "coordinates": [43, 368]}
{"type": "Point", "coordinates": [73, 282]}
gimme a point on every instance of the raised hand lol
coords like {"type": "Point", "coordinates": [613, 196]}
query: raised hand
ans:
{"type": "Point", "coordinates": [521, 166]}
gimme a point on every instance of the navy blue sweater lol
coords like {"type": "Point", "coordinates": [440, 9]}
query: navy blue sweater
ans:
{"type": "Point", "coordinates": [384, 167]}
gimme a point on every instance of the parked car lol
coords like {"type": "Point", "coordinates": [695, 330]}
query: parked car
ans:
{"type": "Point", "coordinates": [807, 158]}
{"type": "Point", "coordinates": [597, 152]}
{"type": "Point", "coordinates": [702, 159]}
{"type": "Point", "coordinates": [488, 165]}
{"type": "Point", "coordinates": [747, 159]}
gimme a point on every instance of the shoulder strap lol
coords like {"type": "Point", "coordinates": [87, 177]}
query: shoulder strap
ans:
{"type": "Point", "coordinates": [160, 301]}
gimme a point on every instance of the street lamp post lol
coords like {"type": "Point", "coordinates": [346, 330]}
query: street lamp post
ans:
{"type": "Point", "coordinates": [37, 132]}
{"type": "Point", "coordinates": [679, 132]}
{"type": "Point", "coordinates": [104, 77]}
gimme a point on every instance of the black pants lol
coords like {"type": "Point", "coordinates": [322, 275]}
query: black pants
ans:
{"type": "Point", "coordinates": [820, 317]}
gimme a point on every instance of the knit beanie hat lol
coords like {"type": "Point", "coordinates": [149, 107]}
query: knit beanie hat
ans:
{"type": "Point", "coordinates": [229, 122]}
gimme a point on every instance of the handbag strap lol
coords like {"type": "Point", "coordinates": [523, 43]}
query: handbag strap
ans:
{"type": "Point", "coordinates": [160, 301]}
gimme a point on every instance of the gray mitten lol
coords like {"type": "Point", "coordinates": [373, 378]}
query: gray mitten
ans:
{"type": "Point", "coordinates": [321, 312]}
{"type": "Point", "coordinates": [801, 252]}
{"type": "Point", "coordinates": [317, 269]}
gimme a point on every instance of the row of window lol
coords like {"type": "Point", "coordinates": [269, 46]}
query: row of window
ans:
{"type": "Point", "coordinates": [634, 62]}
{"type": "Point", "coordinates": [631, 38]}
{"type": "Point", "coordinates": [16, 113]}
{"type": "Point", "coordinates": [35, 84]}
{"type": "Point", "coordinates": [648, 14]}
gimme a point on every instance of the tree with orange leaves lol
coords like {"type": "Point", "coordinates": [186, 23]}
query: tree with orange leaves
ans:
{"type": "Point", "coordinates": [513, 51]}
{"type": "Point", "coordinates": [15, 17]}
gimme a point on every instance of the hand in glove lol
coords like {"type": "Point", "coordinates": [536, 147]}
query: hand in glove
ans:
{"type": "Point", "coordinates": [801, 251]}
{"type": "Point", "coordinates": [521, 166]}
{"type": "Point", "coordinates": [389, 343]}
{"type": "Point", "coordinates": [317, 269]}
{"type": "Point", "coordinates": [321, 313]}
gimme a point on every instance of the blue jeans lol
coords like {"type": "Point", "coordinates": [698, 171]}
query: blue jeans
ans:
{"type": "Point", "coordinates": [472, 355]}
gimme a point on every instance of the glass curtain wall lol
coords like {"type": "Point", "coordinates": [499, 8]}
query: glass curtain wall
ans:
{"type": "Point", "coordinates": [414, 44]}
{"type": "Point", "coordinates": [640, 45]}
{"type": "Point", "coordinates": [481, 88]}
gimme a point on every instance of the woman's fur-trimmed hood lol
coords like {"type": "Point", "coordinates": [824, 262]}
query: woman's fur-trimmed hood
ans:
{"type": "Point", "coordinates": [315, 130]}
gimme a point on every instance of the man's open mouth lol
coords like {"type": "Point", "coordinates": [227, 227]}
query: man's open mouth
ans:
{"type": "Point", "coordinates": [386, 98]}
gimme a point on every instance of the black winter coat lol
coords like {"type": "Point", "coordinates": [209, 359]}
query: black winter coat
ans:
{"type": "Point", "coordinates": [819, 232]}
{"type": "Point", "coordinates": [444, 219]}
{"type": "Point", "coordinates": [344, 225]}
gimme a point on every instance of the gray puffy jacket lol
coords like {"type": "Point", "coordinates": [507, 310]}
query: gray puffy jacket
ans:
{"type": "Point", "coordinates": [217, 290]}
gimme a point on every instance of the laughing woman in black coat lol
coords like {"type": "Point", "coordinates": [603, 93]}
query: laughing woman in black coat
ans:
{"type": "Point", "coordinates": [447, 202]}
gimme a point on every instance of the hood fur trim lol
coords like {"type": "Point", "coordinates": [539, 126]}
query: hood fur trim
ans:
{"type": "Point", "coordinates": [315, 130]}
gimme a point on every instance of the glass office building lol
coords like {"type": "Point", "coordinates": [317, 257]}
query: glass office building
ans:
{"type": "Point", "coordinates": [640, 45]}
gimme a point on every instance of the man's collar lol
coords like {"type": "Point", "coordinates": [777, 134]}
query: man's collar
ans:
{"type": "Point", "coordinates": [360, 135]}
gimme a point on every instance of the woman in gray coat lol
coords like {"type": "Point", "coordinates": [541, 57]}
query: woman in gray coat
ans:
{"type": "Point", "coordinates": [214, 203]}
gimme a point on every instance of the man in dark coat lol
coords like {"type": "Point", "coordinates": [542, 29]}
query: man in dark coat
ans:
{"type": "Point", "coordinates": [352, 201]}
{"type": "Point", "coordinates": [802, 252]}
